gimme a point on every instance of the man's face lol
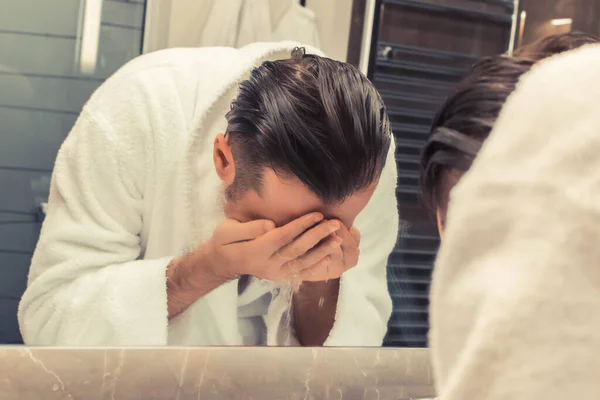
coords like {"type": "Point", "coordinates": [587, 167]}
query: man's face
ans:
{"type": "Point", "coordinates": [283, 199]}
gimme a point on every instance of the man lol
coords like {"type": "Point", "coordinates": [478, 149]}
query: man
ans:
{"type": "Point", "coordinates": [515, 300]}
{"type": "Point", "coordinates": [185, 211]}
{"type": "Point", "coordinates": [467, 117]}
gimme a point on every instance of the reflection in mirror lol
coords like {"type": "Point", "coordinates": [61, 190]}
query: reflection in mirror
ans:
{"type": "Point", "coordinates": [178, 215]}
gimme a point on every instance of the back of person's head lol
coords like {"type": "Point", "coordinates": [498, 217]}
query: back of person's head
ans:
{"type": "Point", "coordinates": [554, 44]}
{"type": "Point", "coordinates": [311, 117]}
{"type": "Point", "coordinates": [467, 116]}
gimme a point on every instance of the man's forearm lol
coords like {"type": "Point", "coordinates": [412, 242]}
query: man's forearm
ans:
{"type": "Point", "coordinates": [315, 305]}
{"type": "Point", "coordinates": [188, 279]}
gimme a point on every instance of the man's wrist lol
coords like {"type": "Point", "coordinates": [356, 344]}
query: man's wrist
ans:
{"type": "Point", "coordinates": [189, 278]}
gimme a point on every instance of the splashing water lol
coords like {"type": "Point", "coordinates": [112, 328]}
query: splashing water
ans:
{"type": "Point", "coordinates": [321, 302]}
{"type": "Point", "coordinates": [287, 293]}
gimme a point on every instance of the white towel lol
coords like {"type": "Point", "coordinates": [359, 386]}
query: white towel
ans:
{"type": "Point", "coordinates": [260, 21]}
{"type": "Point", "coordinates": [134, 186]}
{"type": "Point", "coordinates": [515, 304]}
{"type": "Point", "coordinates": [237, 23]}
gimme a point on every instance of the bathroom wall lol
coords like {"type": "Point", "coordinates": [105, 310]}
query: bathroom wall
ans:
{"type": "Point", "coordinates": [333, 19]}
{"type": "Point", "coordinates": [537, 18]}
{"type": "Point", "coordinates": [41, 94]}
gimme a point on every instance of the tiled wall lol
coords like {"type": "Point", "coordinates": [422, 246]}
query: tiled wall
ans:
{"type": "Point", "coordinates": [41, 94]}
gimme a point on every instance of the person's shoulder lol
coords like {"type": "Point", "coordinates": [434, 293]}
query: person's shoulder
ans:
{"type": "Point", "coordinates": [175, 60]}
{"type": "Point", "coordinates": [170, 75]}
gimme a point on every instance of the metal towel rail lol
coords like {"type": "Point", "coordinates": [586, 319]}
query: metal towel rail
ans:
{"type": "Point", "coordinates": [453, 10]}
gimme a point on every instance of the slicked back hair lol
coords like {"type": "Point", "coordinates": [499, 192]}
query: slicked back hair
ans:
{"type": "Point", "coordinates": [311, 117]}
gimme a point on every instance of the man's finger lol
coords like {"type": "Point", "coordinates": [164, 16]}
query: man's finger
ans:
{"type": "Point", "coordinates": [232, 231]}
{"type": "Point", "coordinates": [356, 235]}
{"type": "Point", "coordinates": [316, 254]}
{"type": "Point", "coordinates": [280, 237]}
{"type": "Point", "coordinates": [317, 272]}
{"type": "Point", "coordinates": [307, 241]}
{"type": "Point", "coordinates": [349, 246]}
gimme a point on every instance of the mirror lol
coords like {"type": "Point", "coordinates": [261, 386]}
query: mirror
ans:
{"type": "Point", "coordinates": [133, 163]}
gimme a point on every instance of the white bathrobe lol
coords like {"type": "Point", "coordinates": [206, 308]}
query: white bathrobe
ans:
{"type": "Point", "coordinates": [134, 186]}
{"type": "Point", "coordinates": [515, 304]}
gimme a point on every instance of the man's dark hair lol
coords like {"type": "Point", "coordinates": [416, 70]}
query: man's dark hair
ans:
{"type": "Point", "coordinates": [467, 116]}
{"type": "Point", "coordinates": [311, 117]}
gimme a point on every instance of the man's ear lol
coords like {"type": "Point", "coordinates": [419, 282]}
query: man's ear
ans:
{"type": "Point", "coordinates": [440, 221]}
{"type": "Point", "coordinates": [223, 159]}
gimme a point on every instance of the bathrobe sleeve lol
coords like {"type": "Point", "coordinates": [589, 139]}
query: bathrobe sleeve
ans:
{"type": "Point", "coordinates": [87, 285]}
{"type": "Point", "coordinates": [515, 303]}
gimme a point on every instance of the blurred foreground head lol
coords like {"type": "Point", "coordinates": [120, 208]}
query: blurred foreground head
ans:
{"type": "Point", "coordinates": [467, 117]}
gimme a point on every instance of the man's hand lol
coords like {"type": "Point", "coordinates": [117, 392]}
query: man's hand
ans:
{"type": "Point", "coordinates": [315, 303]}
{"type": "Point", "coordinates": [306, 249]}
{"type": "Point", "coordinates": [278, 254]}
{"type": "Point", "coordinates": [340, 260]}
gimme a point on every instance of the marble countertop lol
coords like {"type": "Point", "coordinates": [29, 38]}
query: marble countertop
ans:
{"type": "Point", "coordinates": [214, 373]}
